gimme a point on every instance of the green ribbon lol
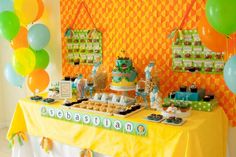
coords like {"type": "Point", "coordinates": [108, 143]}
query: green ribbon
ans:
{"type": "Point", "coordinates": [11, 141]}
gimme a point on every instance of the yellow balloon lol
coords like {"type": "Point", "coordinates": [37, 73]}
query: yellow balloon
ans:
{"type": "Point", "coordinates": [27, 10]}
{"type": "Point", "coordinates": [23, 61]}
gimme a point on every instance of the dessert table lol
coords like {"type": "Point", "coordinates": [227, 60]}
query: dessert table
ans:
{"type": "Point", "coordinates": [204, 134]}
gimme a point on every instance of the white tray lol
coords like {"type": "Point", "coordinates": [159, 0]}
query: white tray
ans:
{"type": "Point", "coordinates": [178, 114]}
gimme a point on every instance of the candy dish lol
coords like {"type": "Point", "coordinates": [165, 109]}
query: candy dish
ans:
{"type": "Point", "coordinates": [174, 121]}
{"type": "Point", "coordinates": [49, 100]}
{"type": "Point", "coordinates": [154, 118]}
{"type": "Point", "coordinates": [36, 98]}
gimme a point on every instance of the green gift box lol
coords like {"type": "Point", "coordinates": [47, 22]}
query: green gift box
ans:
{"type": "Point", "coordinates": [197, 105]}
{"type": "Point", "coordinates": [203, 105]}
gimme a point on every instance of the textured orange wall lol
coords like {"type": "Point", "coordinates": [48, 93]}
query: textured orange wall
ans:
{"type": "Point", "coordinates": [141, 27]}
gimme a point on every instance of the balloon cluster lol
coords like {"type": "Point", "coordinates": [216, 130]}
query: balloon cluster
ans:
{"type": "Point", "coordinates": [29, 57]}
{"type": "Point", "coordinates": [216, 28]}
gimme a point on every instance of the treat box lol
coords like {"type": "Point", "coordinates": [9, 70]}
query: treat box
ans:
{"type": "Point", "coordinates": [178, 114]}
{"type": "Point", "coordinates": [204, 106]}
{"type": "Point", "coordinates": [190, 95]}
{"type": "Point", "coordinates": [198, 105]}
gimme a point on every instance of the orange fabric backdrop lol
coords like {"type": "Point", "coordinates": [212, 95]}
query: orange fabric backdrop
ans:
{"type": "Point", "coordinates": [140, 27]}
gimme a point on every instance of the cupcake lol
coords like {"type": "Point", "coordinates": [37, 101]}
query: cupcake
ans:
{"type": "Point", "coordinates": [104, 105]}
{"type": "Point", "coordinates": [68, 104]}
{"type": "Point", "coordinates": [212, 96]}
{"type": "Point", "coordinates": [118, 107]}
{"type": "Point", "coordinates": [90, 107]}
{"type": "Point", "coordinates": [193, 88]}
{"type": "Point", "coordinates": [83, 106]}
{"type": "Point", "coordinates": [86, 102]}
{"type": "Point", "coordinates": [92, 103]}
{"type": "Point", "coordinates": [141, 90]}
{"type": "Point", "coordinates": [137, 106]}
{"type": "Point", "coordinates": [96, 108]}
{"type": "Point", "coordinates": [77, 106]}
{"type": "Point", "coordinates": [183, 88]}
{"type": "Point", "coordinates": [191, 69]}
{"type": "Point", "coordinates": [129, 110]}
{"type": "Point", "coordinates": [98, 104]}
{"type": "Point", "coordinates": [172, 95]}
{"type": "Point", "coordinates": [122, 112]}
{"type": "Point", "coordinates": [111, 106]}
{"type": "Point", "coordinates": [158, 117]}
{"type": "Point", "coordinates": [133, 107]}
{"type": "Point", "coordinates": [206, 98]}
{"type": "Point", "coordinates": [67, 78]}
{"type": "Point", "coordinates": [177, 120]}
{"type": "Point", "coordinates": [150, 117]}
{"type": "Point", "coordinates": [72, 79]}
{"type": "Point", "coordinates": [170, 119]}
{"type": "Point", "coordinates": [102, 109]}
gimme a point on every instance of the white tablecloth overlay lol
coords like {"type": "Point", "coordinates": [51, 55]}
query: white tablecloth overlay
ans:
{"type": "Point", "coordinates": [32, 148]}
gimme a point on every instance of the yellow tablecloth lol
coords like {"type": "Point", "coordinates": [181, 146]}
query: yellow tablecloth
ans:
{"type": "Point", "coordinates": [203, 135]}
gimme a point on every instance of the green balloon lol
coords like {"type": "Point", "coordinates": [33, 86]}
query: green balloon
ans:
{"type": "Point", "coordinates": [9, 24]}
{"type": "Point", "coordinates": [42, 59]}
{"type": "Point", "coordinates": [221, 14]}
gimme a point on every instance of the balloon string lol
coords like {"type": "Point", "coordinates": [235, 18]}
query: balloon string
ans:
{"type": "Point", "coordinates": [82, 3]}
{"type": "Point", "coordinates": [186, 14]}
{"type": "Point", "coordinates": [227, 49]}
{"type": "Point", "coordinates": [24, 88]}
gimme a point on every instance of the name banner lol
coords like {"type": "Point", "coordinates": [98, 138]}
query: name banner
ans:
{"type": "Point", "coordinates": [122, 126]}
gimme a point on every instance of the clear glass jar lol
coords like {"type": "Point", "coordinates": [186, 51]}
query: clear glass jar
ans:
{"type": "Point", "coordinates": [141, 85]}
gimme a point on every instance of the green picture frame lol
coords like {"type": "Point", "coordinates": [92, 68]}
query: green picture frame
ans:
{"type": "Point", "coordinates": [190, 55]}
{"type": "Point", "coordinates": [84, 47]}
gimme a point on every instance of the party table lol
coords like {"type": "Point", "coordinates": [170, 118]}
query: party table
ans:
{"type": "Point", "coordinates": [204, 134]}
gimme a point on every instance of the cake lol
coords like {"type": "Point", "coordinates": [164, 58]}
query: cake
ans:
{"type": "Point", "coordinates": [124, 75]}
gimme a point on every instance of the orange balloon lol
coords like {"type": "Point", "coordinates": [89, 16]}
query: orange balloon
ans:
{"type": "Point", "coordinates": [211, 38]}
{"type": "Point", "coordinates": [20, 41]}
{"type": "Point", "coordinates": [40, 9]}
{"type": "Point", "coordinates": [38, 80]}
